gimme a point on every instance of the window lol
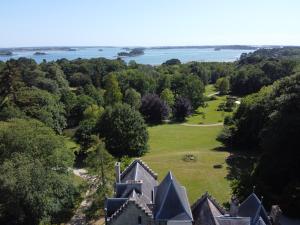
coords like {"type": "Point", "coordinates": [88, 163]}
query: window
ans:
{"type": "Point", "coordinates": [139, 220]}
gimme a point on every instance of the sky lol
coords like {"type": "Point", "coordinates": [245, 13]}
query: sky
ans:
{"type": "Point", "coordinates": [148, 22]}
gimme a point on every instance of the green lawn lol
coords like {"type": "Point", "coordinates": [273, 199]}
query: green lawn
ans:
{"type": "Point", "coordinates": [210, 89]}
{"type": "Point", "coordinates": [170, 142]}
{"type": "Point", "coordinates": [209, 114]}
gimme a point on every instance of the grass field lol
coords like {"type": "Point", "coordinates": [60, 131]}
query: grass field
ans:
{"type": "Point", "coordinates": [170, 142]}
{"type": "Point", "coordinates": [208, 114]}
{"type": "Point", "coordinates": [210, 89]}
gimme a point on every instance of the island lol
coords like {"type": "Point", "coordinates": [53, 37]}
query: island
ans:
{"type": "Point", "coordinates": [100, 50]}
{"type": "Point", "coordinates": [39, 49]}
{"type": "Point", "coordinates": [132, 52]}
{"type": "Point", "coordinates": [40, 53]}
{"type": "Point", "coordinates": [215, 47]}
{"type": "Point", "coordinates": [5, 53]}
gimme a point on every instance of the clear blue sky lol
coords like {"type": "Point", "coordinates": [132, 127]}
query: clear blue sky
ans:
{"type": "Point", "coordinates": [148, 22]}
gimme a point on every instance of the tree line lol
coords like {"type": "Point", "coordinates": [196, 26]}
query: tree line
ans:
{"type": "Point", "coordinates": [108, 104]}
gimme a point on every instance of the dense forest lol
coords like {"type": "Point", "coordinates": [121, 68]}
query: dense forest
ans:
{"type": "Point", "coordinates": [107, 105]}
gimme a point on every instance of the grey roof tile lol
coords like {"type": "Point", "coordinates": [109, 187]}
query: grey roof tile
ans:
{"type": "Point", "coordinates": [139, 171]}
{"type": "Point", "coordinates": [205, 210]}
{"type": "Point", "coordinates": [113, 204]}
{"type": "Point", "coordinates": [227, 220]}
{"type": "Point", "coordinates": [252, 207]}
{"type": "Point", "coordinates": [171, 201]}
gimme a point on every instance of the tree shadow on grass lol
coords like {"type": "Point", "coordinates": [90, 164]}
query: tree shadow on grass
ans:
{"type": "Point", "coordinates": [239, 163]}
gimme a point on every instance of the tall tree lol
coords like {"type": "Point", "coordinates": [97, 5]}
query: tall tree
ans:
{"type": "Point", "coordinates": [123, 130]}
{"type": "Point", "coordinates": [154, 109]}
{"type": "Point", "coordinates": [101, 163]}
{"type": "Point", "coordinates": [182, 108]}
{"type": "Point", "coordinates": [168, 96]}
{"type": "Point", "coordinates": [113, 92]}
{"type": "Point", "coordinates": [222, 85]}
{"type": "Point", "coordinates": [133, 98]}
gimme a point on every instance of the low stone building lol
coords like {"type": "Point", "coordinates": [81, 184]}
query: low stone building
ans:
{"type": "Point", "coordinates": [140, 200]}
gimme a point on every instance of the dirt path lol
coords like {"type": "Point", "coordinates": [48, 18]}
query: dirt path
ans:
{"type": "Point", "coordinates": [216, 93]}
{"type": "Point", "coordinates": [202, 125]}
{"type": "Point", "coordinates": [79, 217]}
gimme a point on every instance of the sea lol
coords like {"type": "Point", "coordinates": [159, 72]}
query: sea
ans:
{"type": "Point", "coordinates": [152, 56]}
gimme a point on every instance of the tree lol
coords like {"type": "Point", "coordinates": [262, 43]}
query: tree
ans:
{"type": "Point", "coordinates": [79, 80]}
{"type": "Point", "coordinates": [83, 134]}
{"type": "Point", "coordinates": [82, 103]}
{"type": "Point", "coordinates": [182, 108]}
{"type": "Point", "coordinates": [154, 109]}
{"type": "Point", "coordinates": [199, 70]}
{"type": "Point", "coordinates": [41, 105]}
{"type": "Point", "coordinates": [269, 121]}
{"type": "Point", "coordinates": [94, 93]}
{"type": "Point", "coordinates": [123, 130]}
{"type": "Point", "coordinates": [101, 163]}
{"type": "Point", "coordinates": [168, 96]}
{"type": "Point", "coordinates": [172, 62]}
{"type": "Point", "coordinates": [133, 98]}
{"type": "Point", "coordinates": [93, 112]}
{"type": "Point", "coordinates": [35, 183]}
{"type": "Point", "coordinates": [222, 85]}
{"type": "Point", "coordinates": [113, 92]}
{"type": "Point", "coordinates": [190, 87]}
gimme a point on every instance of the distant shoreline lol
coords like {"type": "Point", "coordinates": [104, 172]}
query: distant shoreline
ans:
{"type": "Point", "coordinates": [74, 48]}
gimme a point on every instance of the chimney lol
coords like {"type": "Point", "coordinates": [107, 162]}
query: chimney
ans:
{"type": "Point", "coordinates": [152, 196]}
{"type": "Point", "coordinates": [118, 173]}
{"type": "Point", "coordinates": [275, 214]}
{"type": "Point", "coordinates": [234, 207]}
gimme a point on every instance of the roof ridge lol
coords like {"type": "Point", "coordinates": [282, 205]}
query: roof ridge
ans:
{"type": "Point", "coordinates": [257, 215]}
{"type": "Point", "coordinates": [125, 205]}
{"type": "Point", "coordinates": [118, 212]}
{"type": "Point", "coordinates": [212, 216]}
{"type": "Point", "coordinates": [212, 199]}
{"type": "Point", "coordinates": [189, 208]}
{"type": "Point", "coordinates": [142, 163]}
{"type": "Point", "coordinates": [179, 194]}
{"type": "Point", "coordinates": [163, 202]}
{"type": "Point", "coordinates": [175, 185]}
{"type": "Point", "coordinates": [143, 208]}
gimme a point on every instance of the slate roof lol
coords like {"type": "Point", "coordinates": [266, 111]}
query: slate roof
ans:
{"type": "Point", "coordinates": [113, 204]}
{"type": "Point", "coordinates": [171, 202]}
{"type": "Point", "coordinates": [227, 220]}
{"type": "Point", "coordinates": [252, 207]}
{"type": "Point", "coordinates": [132, 167]}
{"type": "Point", "coordinates": [205, 210]}
{"type": "Point", "coordinates": [137, 172]}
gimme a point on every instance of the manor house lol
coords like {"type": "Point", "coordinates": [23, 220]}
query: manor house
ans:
{"type": "Point", "coordinates": [140, 199]}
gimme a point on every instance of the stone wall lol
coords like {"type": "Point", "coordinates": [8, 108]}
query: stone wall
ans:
{"type": "Point", "coordinates": [130, 216]}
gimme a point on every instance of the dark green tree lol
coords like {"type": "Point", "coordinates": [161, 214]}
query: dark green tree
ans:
{"type": "Point", "coordinates": [222, 85]}
{"type": "Point", "coordinates": [35, 183]}
{"type": "Point", "coordinates": [181, 109]}
{"type": "Point", "coordinates": [123, 130]}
